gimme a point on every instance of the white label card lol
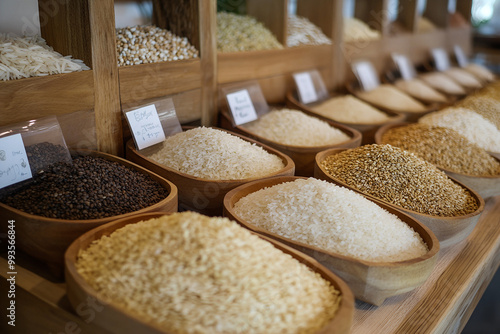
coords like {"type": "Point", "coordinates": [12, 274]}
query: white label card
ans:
{"type": "Point", "coordinates": [441, 59]}
{"type": "Point", "coordinates": [366, 74]}
{"type": "Point", "coordinates": [460, 55]}
{"type": "Point", "coordinates": [145, 126]}
{"type": "Point", "coordinates": [241, 107]}
{"type": "Point", "coordinates": [404, 65]}
{"type": "Point", "coordinates": [14, 164]}
{"type": "Point", "coordinates": [305, 87]}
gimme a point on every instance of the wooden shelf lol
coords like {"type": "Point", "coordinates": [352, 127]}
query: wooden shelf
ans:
{"type": "Point", "coordinates": [442, 305]}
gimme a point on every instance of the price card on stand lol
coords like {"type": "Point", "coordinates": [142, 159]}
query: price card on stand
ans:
{"type": "Point", "coordinates": [404, 65]}
{"type": "Point", "coordinates": [14, 164]}
{"type": "Point", "coordinates": [460, 56]}
{"type": "Point", "coordinates": [310, 86]}
{"type": "Point", "coordinates": [241, 107]}
{"type": "Point", "coordinates": [145, 126]}
{"type": "Point", "coordinates": [441, 59]}
{"type": "Point", "coordinates": [366, 74]}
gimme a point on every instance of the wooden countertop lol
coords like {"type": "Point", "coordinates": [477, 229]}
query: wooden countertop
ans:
{"type": "Point", "coordinates": [442, 305]}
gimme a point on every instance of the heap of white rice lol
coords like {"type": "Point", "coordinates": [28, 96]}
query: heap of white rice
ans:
{"type": "Point", "coordinates": [332, 218]}
{"type": "Point", "coordinates": [356, 30]}
{"type": "Point", "coordinates": [442, 83]}
{"type": "Point", "coordinates": [293, 127]}
{"type": "Point", "coordinates": [469, 124]}
{"type": "Point", "coordinates": [301, 31]}
{"type": "Point", "coordinates": [190, 273]}
{"type": "Point", "coordinates": [349, 109]}
{"type": "Point", "coordinates": [389, 97]}
{"type": "Point", "coordinates": [24, 57]}
{"type": "Point", "coordinates": [425, 25]}
{"type": "Point", "coordinates": [463, 77]}
{"type": "Point", "coordinates": [216, 155]}
{"type": "Point", "coordinates": [420, 90]}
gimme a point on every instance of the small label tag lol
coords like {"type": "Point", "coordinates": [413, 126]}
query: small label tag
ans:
{"type": "Point", "coordinates": [405, 67]}
{"type": "Point", "coordinates": [305, 86]}
{"type": "Point", "coordinates": [460, 55]}
{"type": "Point", "coordinates": [366, 75]}
{"type": "Point", "coordinates": [441, 59]}
{"type": "Point", "coordinates": [14, 164]}
{"type": "Point", "coordinates": [145, 126]}
{"type": "Point", "coordinates": [241, 107]}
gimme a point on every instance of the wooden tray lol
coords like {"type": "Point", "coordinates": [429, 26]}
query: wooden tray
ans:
{"type": "Point", "coordinates": [367, 130]}
{"type": "Point", "coordinates": [47, 238]}
{"type": "Point", "coordinates": [448, 230]}
{"type": "Point", "coordinates": [485, 186]}
{"type": "Point", "coordinates": [302, 156]}
{"type": "Point", "coordinates": [117, 320]}
{"type": "Point", "coordinates": [353, 88]}
{"type": "Point", "coordinates": [372, 282]}
{"type": "Point", "coordinates": [199, 194]}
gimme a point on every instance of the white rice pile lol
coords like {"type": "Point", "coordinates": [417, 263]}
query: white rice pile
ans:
{"type": "Point", "coordinates": [442, 83]}
{"type": "Point", "coordinates": [425, 25]}
{"type": "Point", "coordinates": [293, 127]}
{"type": "Point", "coordinates": [356, 30]}
{"type": "Point", "coordinates": [301, 31]}
{"type": "Point", "coordinates": [24, 57]}
{"type": "Point", "coordinates": [216, 155]}
{"type": "Point", "coordinates": [480, 71]}
{"type": "Point", "coordinates": [463, 77]}
{"type": "Point", "coordinates": [189, 273]}
{"type": "Point", "coordinates": [389, 97]}
{"type": "Point", "coordinates": [332, 218]}
{"type": "Point", "coordinates": [420, 90]}
{"type": "Point", "coordinates": [469, 124]}
{"type": "Point", "coordinates": [349, 109]}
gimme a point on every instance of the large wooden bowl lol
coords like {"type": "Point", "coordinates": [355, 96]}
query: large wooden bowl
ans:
{"type": "Point", "coordinates": [448, 230]}
{"type": "Point", "coordinates": [302, 156]}
{"type": "Point", "coordinates": [367, 130]}
{"type": "Point", "coordinates": [485, 186]}
{"type": "Point", "coordinates": [409, 116]}
{"type": "Point", "coordinates": [118, 320]}
{"type": "Point", "coordinates": [199, 194]}
{"type": "Point", "coordinates": [47, 238]}
{"type": "Point", "coordinates": [372, 282]}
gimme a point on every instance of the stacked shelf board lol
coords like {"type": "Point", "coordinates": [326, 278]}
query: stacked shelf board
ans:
{"type": "Point", "coordinates": [442, 305]}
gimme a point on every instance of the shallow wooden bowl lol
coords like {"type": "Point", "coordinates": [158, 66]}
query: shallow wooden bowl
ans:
{"type": "Point", "coordinates": [199, 194]}
{"type": "Point", "coordinates": [371, 282]}
{"type": "Point", "coordinates": [367, 130]}
{"type": "Point", "coordinates": [302, 156]}
{"type": "Point", "coordinates": [448, 230]}
{"type": "Point", "coordinates": [118, 320]}
{"type": "Point", "coordinates": [485, 186]}
{"type": "Point", "coordinates": [47, 238]}
{"type": "Point", "coordinates": [409, 116]}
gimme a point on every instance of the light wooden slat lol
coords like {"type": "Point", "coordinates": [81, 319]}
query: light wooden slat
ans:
{"type": "Point", "coordinates": [32, 98]}
{"type": "Point", "coordinates": [437, 12]}
{"type": "Point", "coordinates": [408, 15]}
{"type": "Point", "coordinates": [208, 49]}
{"type": "Point", "coordinates": [141, 82]}
{"type": "Point", "coordinates": [273, 14]}
{"type": "Point", "coordinates": [374, 13]}
{"type": "Point", "coordinates": [106, 86]}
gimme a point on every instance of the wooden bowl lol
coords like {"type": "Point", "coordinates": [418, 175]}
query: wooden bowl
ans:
{"type": "Point", "coordinates": [448, 230]}
{"type": "Point", "coordinates": [302, 156]}
{"type": "Point", "coordinates": [354, 89]}
{"type": "Point", "coordinates": [371, 282]}
{"type": "Point", "coordinates": [367, 130]}
{"type": "Point", "coordinates": [47, 238]}
{"type": "Point", "coordinates": [485, 186]}
{"type": "Point", "coordinates": [199, 194]}
{"type": "Point", "coordinates": [118, 320]}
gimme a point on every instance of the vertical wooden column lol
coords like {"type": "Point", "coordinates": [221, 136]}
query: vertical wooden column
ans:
{"type": "Point", "coordinates": [408, 14]}
{"type": "Point", "coordinates": [437, 12]}
{"type": "Point", "coordinates": [464, 7]}
{"type": "Point", "coordinates": [106, 86]}
{"type": "Point", "coordinates": [374, 13]}
{"type": "Point", "coordinates": [208, 51]}
{"type": "Point", "coordinates": [273, 14]}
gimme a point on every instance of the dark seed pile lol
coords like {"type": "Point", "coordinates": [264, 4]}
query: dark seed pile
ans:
{"type": "Point", "coordinates": [401, 178]}
{"type": "Point", "coordinates": [444, 148]}
{"type": "Point", "coordinates": [89, 188]}
{"type": "Point", "coordinates": [44, 154]}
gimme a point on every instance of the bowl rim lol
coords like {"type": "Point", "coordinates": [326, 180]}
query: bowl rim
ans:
{"type": "Point", "coordinates": [172, 195]}
{"type": "Point", "coordinates": [479, 200]}
{"type": "Point", "coordinates": [433, 248]}
{"type": "Point", "coordinates": [287, 161]}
